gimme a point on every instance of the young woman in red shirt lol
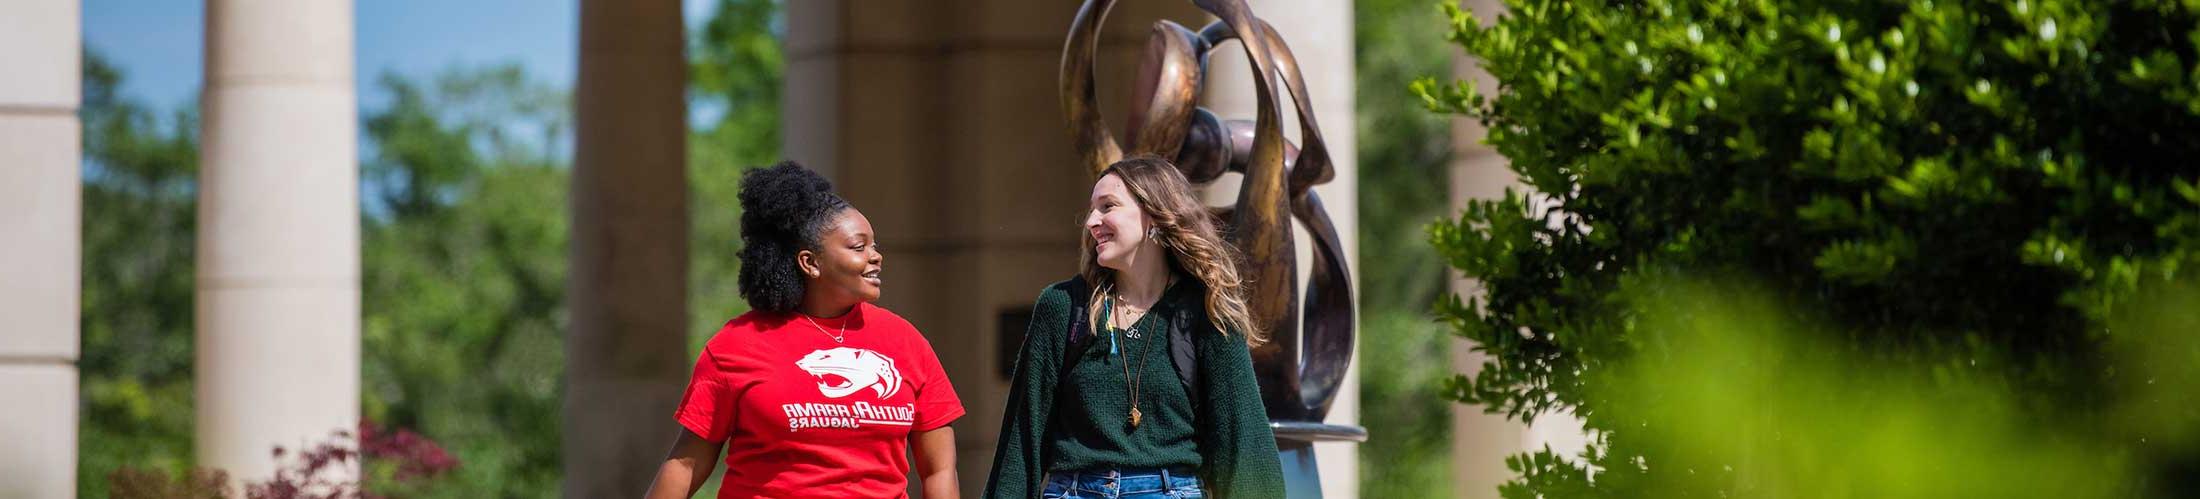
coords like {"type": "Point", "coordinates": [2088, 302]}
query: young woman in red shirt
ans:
{"type": "Point", "coordinates": [815, 392]}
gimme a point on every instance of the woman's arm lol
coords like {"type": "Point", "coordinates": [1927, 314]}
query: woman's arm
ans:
{"type": "Point", "coordinates": [1239, 447]}
{"type": "Point", "coordinates": [936, 462]}
{"type": "Point", "coordinates": [686, 467]}
{"type": "Point", "coordinates": [1018, 466]}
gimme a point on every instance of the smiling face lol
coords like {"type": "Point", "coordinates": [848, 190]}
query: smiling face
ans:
{"type": "Point", "coordinates": [1116, 223]}
{"type": "Point", "coordinates": [847, 265]}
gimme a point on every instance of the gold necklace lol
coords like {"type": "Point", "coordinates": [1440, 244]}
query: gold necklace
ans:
{"type": "Point", "coordinates": [1131, 378]}
{"type": "Point", "coordinates": [840, 338]}
{"type": "Point", "coordinates": [1124, 315]}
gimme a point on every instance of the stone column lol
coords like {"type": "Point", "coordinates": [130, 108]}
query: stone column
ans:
{"type": "Point", "coordinates": [626, 355]}
{"type": "Point", "coordinates": [278, 245]}
{"type": "Point", "coordinates": [941, 121]}
{"type": "Point", "coordinates": [40, 213]}
{"type": "Point", "coordinates": [1320, 35]}
{"type": "Point", "coordinates": [1481, 442]}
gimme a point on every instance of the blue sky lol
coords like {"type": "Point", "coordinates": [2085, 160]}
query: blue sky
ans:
{"type": "Point", "coordinates": [158, 44]}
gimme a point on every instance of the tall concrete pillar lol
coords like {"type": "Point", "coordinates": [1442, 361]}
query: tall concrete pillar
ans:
{"type": "Point", "coordinates": [40, 217]}
{"type": "Point", "coordinates": [1481, 442]}
{"type": "Point", "coordinates": [1319, 33]}
{"type": "Point", "coordinates": [941, 121]}
{"type": "Point", "coordinates": [626, 354]}
{"type": "Point", "coordinates": [278, 244]}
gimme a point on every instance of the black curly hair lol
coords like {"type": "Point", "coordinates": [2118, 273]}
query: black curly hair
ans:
{"type": "Point", "coordinates": [783, 210]}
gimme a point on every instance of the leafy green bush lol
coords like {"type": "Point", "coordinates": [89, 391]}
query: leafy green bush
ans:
{"type": "Point", "coordinates": [1977, 186]}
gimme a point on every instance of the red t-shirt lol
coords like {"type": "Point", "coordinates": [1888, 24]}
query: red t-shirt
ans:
{"type": "Point", "coordinates": [805, 416]}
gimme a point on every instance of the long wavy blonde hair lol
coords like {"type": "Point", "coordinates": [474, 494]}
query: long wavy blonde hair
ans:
{"type": "Point", "coordinates": [1187, 230]}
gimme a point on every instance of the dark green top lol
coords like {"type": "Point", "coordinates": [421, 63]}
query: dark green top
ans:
{"type": "Point", "coordinates": [1225, 436]}
{"type": "Point", "coordinates": [1092, 431]}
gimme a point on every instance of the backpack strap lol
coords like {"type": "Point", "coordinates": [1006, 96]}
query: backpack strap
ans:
{"type": "Point", "coordinates": [1080, 325]}
{"type": "Point", "coordinates": [1182, 327]}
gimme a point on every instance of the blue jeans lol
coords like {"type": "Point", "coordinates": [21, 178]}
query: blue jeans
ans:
{"type": "Point", "coordinates": [1123, 484]}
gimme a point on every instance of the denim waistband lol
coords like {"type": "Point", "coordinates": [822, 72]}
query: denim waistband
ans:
{"type": "Point", "coordinates": [1126, 480]}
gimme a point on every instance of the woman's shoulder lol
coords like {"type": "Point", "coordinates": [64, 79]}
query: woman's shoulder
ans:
{"type": "Point", "coordinates": [1061, 293]}
{"type": "Point", "coordinates": [747, 328]}
{"type": "Point", "coordinates": [1050, 313]}
{"type": "Point", "coordinates": [755, 321]}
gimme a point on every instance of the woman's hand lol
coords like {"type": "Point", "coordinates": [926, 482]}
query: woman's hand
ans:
{"type": "Point", "coordinates": [935, 451]}
{"type": "Point", "coordinates": [689, 464]}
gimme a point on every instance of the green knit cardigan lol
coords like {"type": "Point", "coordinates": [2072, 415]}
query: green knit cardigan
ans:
{"type": "Point", "coordinates": [1237, 447]}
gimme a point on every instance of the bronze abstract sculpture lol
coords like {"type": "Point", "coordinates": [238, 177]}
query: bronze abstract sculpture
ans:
{"type": "Point", "coordinates": [1297, 385]}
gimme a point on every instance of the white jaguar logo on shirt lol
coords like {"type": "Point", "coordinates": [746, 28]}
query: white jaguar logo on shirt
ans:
{"type": "Point", "coordinates": [843, 371]}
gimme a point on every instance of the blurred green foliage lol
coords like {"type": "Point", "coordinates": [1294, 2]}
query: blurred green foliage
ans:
{"type": "Point", "coordinates": [464, 182]}
{"type": "Point", "coordinates": [1727, 393]}
{"type": "Point", "coordinates": [140, 223]}
{"type": "Point", "coordinates": [1403, 159]}
{"type": "Point", "coordinates": [1920, 182]}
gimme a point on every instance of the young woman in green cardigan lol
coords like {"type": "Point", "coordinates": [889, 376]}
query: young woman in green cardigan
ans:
{"type": "Point", "coordinates": [1135, 379]}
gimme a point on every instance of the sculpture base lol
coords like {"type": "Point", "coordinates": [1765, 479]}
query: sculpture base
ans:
{"type": "Point", "coordinates": [1302, 478]}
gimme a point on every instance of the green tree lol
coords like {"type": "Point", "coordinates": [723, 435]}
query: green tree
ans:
{"type": "Point", "coordinates": [140, 188]}
{"type": "Point", "coordinates": [1977, 185]}
{"type": "Point", "coordinates": [463, 249]}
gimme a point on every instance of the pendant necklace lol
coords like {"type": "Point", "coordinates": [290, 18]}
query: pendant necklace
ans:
{"type": "Point", "coordinates": [837, 338]}
{"type": "Point", "coordinates": [1131, 377]}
